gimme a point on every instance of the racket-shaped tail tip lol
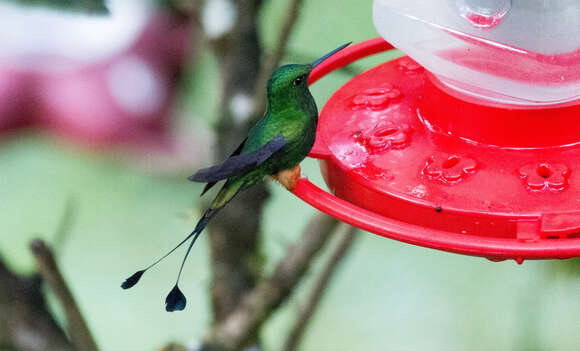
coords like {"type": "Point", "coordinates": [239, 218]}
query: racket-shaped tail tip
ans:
{"type": "Point", "coordinates": [132, 280]}
{"type": "Point", "coordinates": [175, 300]}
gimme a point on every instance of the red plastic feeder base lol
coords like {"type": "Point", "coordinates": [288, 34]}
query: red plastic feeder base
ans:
{"type": "Point", "coordinates": [410, 160]}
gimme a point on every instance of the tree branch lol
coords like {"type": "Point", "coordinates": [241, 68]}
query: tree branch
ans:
{"type": "Point", "coordinates": [275, 57]}
{"type": "Point", "coordinates": [307, 311]}
{"type": "Point", "coordinates": [79, 332]}
{"type": "Point", "coordinates": [25, 322]}
{"type": "Point", "coordinates": [173, 347]}
{"type": "Point", "coordinates": [97, 7]}
{"type": "Point", "coordinates": [235, 232]}
{"type": "Point", "coordinates": [234, 331]}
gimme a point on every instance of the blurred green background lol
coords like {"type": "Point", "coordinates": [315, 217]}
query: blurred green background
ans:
{"type": "Point", "coordinates": [386, 296]}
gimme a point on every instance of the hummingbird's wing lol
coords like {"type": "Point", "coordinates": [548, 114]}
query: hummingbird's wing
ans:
{"type": "Point", "coordinates": [240, 163]}
{"type": "Point", "coordinates": [209, 185]}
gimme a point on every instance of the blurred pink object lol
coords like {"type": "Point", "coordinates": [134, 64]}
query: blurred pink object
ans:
{"type": "Point", "coordinates": [121, 98]}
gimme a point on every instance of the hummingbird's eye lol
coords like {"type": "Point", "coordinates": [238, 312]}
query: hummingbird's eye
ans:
{"type": "Point", "coordinates": [298, 80]}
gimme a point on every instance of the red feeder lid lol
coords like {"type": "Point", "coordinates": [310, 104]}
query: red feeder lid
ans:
{"type": "Point", "coordinates": [409, 159]}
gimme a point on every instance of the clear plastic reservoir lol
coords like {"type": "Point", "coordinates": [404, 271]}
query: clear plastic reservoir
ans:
{"type": "Point", "coordinates": [524, 52]}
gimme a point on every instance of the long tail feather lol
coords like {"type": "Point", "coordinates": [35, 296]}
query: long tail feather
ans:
{"type": "Point", "coordinates": [175, 300]}
{"type": "Point", "coordinates": [201, 224]}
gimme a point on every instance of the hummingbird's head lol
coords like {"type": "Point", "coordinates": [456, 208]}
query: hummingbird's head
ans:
{"type": "Point", "coordinates": [290, 80]}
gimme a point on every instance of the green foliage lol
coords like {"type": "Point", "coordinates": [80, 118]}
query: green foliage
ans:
{"type": "Point", "coordinates": [86, 6]}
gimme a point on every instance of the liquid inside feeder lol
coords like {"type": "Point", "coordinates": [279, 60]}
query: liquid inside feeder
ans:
{"type": "Point", "coordinates": [522, 52]}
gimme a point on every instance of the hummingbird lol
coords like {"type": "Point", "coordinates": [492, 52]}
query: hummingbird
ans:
{"type": "Point", "coordinates": [274, 147]}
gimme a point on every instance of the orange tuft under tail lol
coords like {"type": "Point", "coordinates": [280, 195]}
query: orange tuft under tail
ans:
{"type": "Point", "coordinates": [288, 177]}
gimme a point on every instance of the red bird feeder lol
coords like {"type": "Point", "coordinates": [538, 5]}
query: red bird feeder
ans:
{"type": "Point", "coordinates": [473, 145]}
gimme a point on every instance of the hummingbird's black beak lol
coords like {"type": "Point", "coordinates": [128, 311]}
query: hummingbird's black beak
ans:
{"type": "Point", "coordinates": [319, 61]}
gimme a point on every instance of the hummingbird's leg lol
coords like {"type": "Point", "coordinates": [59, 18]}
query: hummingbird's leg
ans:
{"type": "Point", "coordinates": [288, 177]}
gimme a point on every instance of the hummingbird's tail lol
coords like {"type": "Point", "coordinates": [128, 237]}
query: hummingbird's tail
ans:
{"type": "Point", "coordinates": [175, 299]}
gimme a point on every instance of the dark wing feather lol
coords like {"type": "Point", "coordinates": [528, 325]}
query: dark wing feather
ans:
{"type": "Point", "coordinates": [210, 185]}
{"type": "Point", "coordinates": [207, 187]}
{"type": "Point", "coordinates": [239, 163]}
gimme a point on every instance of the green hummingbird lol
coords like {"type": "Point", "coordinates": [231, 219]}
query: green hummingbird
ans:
{"type": "Point", "coordinates": [274, 147]}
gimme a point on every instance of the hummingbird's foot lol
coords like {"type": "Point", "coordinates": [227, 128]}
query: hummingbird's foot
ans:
{"type": "Point", "coordinates": [288, 177]}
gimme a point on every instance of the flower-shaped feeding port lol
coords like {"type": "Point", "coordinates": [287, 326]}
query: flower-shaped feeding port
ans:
{"type": "Point", "coordinates": [545, 176]}
{"type": "Point", "coordinates": [449, 169]}
{"type": "Point", "coordinates": [384, 136]}
{"type": "Point", "coordinates": [376, 99]}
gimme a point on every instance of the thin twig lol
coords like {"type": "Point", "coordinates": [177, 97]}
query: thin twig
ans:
{"type": "Point", "coordinates": [233, 332]}
{"type": "Point", "coordinates": [78, 330]}
{"type": "Point", "coordinates": [65, 224]}
{"type": "Point", "coordinates": [25, 322]}
{"type": "Point", "coordinates": [173, 347]}
{"type": "Point", "coordinates": [307, 311]}
{"type": "Point", "coordinates": [275, 57]}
